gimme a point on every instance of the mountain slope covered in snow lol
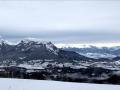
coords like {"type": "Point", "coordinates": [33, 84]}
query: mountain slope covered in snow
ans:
{"type": "Point", "coordinates": [96, 52]}
{"type": "Point", "coordinates": [27, 50]}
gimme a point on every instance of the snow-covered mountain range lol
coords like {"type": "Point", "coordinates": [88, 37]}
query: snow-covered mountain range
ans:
{"type": "Point", "coordinates": [28, 50]}
{"type": "Point", "coordinates": [39, 53]}
{"type": "Point", "coordinates": [96, 52]}
{"type": "Point", "coordinates": [69, 64]}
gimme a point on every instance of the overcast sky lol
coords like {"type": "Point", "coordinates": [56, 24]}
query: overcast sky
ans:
{"type": "Point", "coordinates": [65, 21]}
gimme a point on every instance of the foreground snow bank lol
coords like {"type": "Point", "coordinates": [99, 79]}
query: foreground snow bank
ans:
{"type": "Point", "coordinates": [18, 84]}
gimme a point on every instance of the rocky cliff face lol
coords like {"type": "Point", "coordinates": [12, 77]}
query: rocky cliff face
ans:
{"type": "Point", "coordinates": [27, 50]}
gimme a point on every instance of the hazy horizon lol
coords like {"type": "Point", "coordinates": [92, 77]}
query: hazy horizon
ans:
{"type": "Point", "coordinates": [69, 22]}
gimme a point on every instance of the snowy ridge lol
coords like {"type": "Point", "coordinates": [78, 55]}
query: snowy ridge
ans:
{"type": "Point", "coordinates": [29, 39]}
{"type": "Point", "coordinates": [32, 42]}
{"type": "Point", "coordinates": [96, 52]}
{"type": "Point", "coordinates": [86, 45]}
{"type": "Point", "coordinates": [2, 41]}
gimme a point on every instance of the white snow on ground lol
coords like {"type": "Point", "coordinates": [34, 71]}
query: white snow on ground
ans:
{"type": "Point", "coordinates": [30, 66]}
{"type": "Point", "coordinates": [19, 84]}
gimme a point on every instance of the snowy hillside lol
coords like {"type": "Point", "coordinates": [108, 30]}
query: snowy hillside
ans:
{"type": "Point", "coordinates": [96, 52]}
{"type": "Point", "coordinates": [19, 84]}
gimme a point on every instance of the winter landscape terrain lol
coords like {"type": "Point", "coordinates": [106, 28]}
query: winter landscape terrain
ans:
{"type": "Point", "coordinates": [19, 84]}
{"type": "Point", "coordinates": [95, 51]}
{"type": "Point", "coordinates": [59, 44]}
{"type": "Point", "coordinates": [30, 59]}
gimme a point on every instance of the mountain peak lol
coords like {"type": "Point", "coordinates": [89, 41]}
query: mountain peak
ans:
{"type": "Point", "coordinates": [2, 41]}
{"type": "Point", "coordinates": [34, 40]}
{"type": "Point", "coordinates": [33, 44]}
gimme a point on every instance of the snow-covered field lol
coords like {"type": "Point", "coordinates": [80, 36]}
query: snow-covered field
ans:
{"type": "Point", "coordinates": [22, 84]}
